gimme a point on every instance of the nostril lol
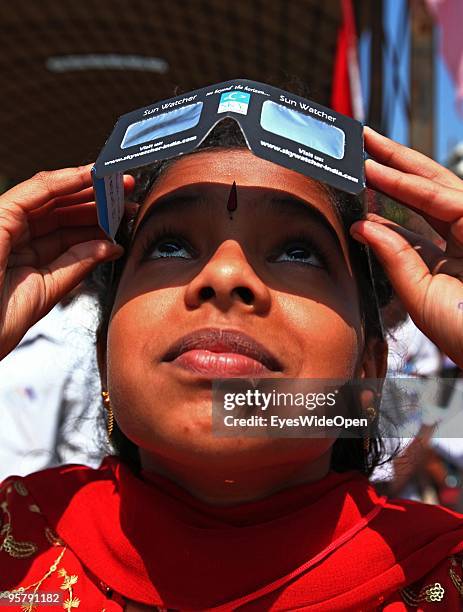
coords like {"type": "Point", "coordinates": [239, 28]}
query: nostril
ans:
{"type": "Point", "coordinates": [206, 293]}
{"type": "Point", "coordinates": [245, 294]}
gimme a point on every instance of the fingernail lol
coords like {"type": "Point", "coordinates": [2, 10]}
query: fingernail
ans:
{"type": "Point", "coordinates": [110, 250]}
{"type": "Point", "coordinates": [359, 237]}
{"type": "Point", "coordinates": [374, 217]}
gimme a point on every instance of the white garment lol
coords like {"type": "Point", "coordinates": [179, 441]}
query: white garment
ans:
{"type": "Point", "coordinates": [410, 354]}
{"type": "Point", "coordinates": [448, 363]}
{"type": "Point", "coordinates": [414, 353]}
{"type": "Point", "coordinates": [49, 394]}
{"type": "Point", "coordinates": [448, 437]}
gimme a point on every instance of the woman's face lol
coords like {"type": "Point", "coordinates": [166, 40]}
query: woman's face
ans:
{"type": "Point", "coordinates": [278, 272]}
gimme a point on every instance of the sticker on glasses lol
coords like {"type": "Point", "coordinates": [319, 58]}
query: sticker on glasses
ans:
{"type": "Point", "coordinates": [234, 102]}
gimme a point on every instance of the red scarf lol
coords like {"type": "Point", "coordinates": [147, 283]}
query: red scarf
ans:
{"type": "Point", "coordinates": [333, 543]}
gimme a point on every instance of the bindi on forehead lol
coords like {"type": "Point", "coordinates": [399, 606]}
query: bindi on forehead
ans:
{"type": "Point", "coordinates": [232, 202]}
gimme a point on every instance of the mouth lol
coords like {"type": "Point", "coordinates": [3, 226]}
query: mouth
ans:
{"type": "Point", "coordinates": [222, 353]}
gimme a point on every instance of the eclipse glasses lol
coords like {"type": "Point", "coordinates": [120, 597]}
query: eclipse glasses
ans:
{"type": "Point", "coordinates": [278, 126]}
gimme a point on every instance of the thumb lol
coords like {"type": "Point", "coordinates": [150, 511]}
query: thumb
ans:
{"type": "Point", "coordinates": [407, 271]}
{"type": "Point", "coordinates": [68, 270]}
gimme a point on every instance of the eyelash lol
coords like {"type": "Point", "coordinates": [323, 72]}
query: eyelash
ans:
{"type": "Point", "coordinates": [166, 233]}
{"type": "Point", "coordinates": [303, 240]}
{"type": "Point", "coordinates": [162, 234]}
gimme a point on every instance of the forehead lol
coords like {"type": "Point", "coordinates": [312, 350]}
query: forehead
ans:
{"type": "Point", "coordinates": [225, 166]}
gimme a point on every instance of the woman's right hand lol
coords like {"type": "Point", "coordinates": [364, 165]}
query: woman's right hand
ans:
{"type": "Point", "coordinates": [49, 242]}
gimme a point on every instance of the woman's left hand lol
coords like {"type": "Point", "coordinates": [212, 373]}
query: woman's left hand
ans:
{"type": "Point", "coordinates": [427, 279]}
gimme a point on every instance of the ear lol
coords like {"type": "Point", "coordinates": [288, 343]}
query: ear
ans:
{"type": "Point", "coordinates": [101, 358]}
{"type": "Point", "coordinates": [374, 359]}
{"type": "Point", "coordinates": [373, 367]}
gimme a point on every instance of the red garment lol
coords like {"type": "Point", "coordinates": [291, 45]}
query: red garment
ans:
{"type": "Point", "coordinates": [324, 546]}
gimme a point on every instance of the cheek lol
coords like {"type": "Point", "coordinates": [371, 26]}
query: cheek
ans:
{"type": "Point", "coordinates": [140, 331]}
{"type": "Point", "coordinates": [143, 318]}
{"type": "Point", "coordinates": [325, 341]}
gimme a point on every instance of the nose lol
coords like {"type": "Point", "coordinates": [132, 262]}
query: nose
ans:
{"type": "Point", "coordinates": [229, 281]}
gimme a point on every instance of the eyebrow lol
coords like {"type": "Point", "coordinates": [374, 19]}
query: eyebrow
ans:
{"type": "Point", "coordinates": [297, 208]}
{"type": "Point", "coordinates": [181, 203]}
{"type": "Point", "coordinates": [289, 206]}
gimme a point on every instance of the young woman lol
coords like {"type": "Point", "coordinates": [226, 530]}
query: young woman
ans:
{"type": "Point", "coordinates": [182, 519]}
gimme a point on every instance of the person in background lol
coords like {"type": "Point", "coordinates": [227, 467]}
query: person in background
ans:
{"type": "Point", "coordinates": [410, 351]}
{"type": "Point", "coordinates": [47, 391]}
{"type": "Point", "coordinates": [410, 354]}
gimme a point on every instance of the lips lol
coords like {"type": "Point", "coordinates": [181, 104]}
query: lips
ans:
{"type": "Point", "coordinates": [222, 352]}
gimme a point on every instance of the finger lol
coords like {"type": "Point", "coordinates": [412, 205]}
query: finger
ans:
{"type": "Point", "coordinates": [408, 273]}
{"type": "Point", "coordinates": [80, 214]}
{"type": "Point", "coordinates": [431, 254]}
{"type": "Point", "coordinates": [440, 227]}
{"type": "Point", "coordinates": [88, 194]}
{"type": "Point", "coordinates": [47, 217]}
{"type": "Point", "coordinates": [451, 267]}
{"type": "Point", "coordinates": [420, 194]}
{"type": "Point", "coordinates": [129, 183]}
{"type": "Point", "coordinates": [62, 218]}
{"type": "Point", "coordinates": [43, 250]}
{"type": "Point", "coordinates": [77, 209]}
{"type": "Point", "coordinates": [455, 239]}
{"type": "Point", "coordinates": [77, 214]}
{"type": "Point", "coordinates": [81, 197]}
{"type": "Point", "coordinates": [437, 260]}
{"type": "Point", "coordinates": [35, 195]}
{"type": "Point", "coordinates": [402, 158]}
{"type": "Point", "coordinates": [46, 186]}
{"type": "Point", "coordinates": [74, 265]}
{"type": "Point", "coordinates": [60, 221]}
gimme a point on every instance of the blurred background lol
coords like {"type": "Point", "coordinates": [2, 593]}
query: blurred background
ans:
{"type": "Point", "coordinates": [69, 69]}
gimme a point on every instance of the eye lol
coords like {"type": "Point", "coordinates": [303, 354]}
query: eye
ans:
{"type": "Point", "coordinates": [168, 248]}
{"type": "Point", "coordinates": [300, 252]}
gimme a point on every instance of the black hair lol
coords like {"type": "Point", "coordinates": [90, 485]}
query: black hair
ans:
{"type": "Point", "coordinates": [347, 453]}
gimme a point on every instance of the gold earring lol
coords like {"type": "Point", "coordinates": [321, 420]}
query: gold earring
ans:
{"type": "Point", "coordinates": [110, 419]}
{"type": "Point", "coordinates": [370, 412]}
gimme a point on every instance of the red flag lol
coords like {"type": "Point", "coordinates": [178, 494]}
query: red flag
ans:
{"type": "Point", "coordinates": [449, 15]}
{"type": "Point", "coordinates": [346, 95]}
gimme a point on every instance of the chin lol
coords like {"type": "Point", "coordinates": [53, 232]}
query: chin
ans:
{"type": "Point", "coordinates": [193, 441]}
